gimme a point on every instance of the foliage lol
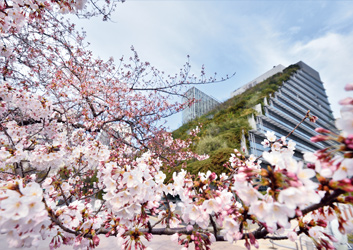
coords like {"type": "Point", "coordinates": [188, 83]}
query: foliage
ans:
{"type": "Point", "coordinates": [233, 113]}
{"type": "Point", "coordinates": [230, 119]}
{"type": "Point", "coordinates": [216, 163]}
{"type": "Point", "coordinates": [350, 238]}
{"type": "Point", "coordinates": [209, 144]}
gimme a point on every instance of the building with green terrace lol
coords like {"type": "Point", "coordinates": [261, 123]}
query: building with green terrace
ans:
{"type": "Point", "coordinates": [276, 101]}
{"type": "Point", "coordinates": [286, 107]}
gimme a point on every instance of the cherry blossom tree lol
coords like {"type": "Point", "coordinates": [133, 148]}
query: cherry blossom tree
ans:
{"type": "Point", "coordinates": [82, 151]}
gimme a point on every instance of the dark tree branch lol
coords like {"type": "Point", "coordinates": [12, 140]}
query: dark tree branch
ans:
{"type": "Point", "coordinates": [327, 200]}
{"type": "Point", "coordinates": [214, 226]}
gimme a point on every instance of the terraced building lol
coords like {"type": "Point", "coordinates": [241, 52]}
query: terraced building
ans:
{"type": "Point", "coordinates": [286, 107]}
{"type": "Point", "coordinates": [276, 101]}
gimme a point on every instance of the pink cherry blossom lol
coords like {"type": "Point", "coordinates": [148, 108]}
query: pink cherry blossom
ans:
{"type": "Point", "coordinates": [83, 153]}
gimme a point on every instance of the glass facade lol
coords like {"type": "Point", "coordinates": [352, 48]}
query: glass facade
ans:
{"type": "Point", "coordinates": [203, 104]}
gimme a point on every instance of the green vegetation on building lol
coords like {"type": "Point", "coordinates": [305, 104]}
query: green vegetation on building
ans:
{"type": "Point", "coordinates": [223, 127]}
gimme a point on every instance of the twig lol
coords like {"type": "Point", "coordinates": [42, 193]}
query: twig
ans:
{"type": "Point", "coordinates": [99, 208]}
{"type": "Point", "coordinates": [45, 176]}
{"type": "Point", "coordinates": [155, 224]}
{"type": "Point", "coordinates": [4, 172]}
{"type": "Point", "coordinates": [168, 209]}
{"type": "Point", "coordinates": [64, 196]}
{"type": "Point", "coordinates": [324, 201]}
{"type": "Point", "coordinates": [214, 226]}
{"type": "Point", "coordinates": [306, 116]}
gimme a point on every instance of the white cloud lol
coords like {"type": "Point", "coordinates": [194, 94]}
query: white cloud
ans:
{"type": "Point", "coordinates": [331, 55]}
{"type": "Point", "coordinates": [294, 29]}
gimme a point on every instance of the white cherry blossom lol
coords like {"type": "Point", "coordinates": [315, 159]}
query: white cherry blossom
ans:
{"type": "Point", "coordinates": [270, 135]}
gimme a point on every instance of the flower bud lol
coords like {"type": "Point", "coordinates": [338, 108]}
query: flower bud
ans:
{"type": "Point", "coordinates": [95, 240]}
{"type": "Point", "coordinates": [321, 223]}
{"type": "Point", "coordinates": [348, 155]}
{"type": "Point", "coordinates": [213, 176]}
{"type": "Point", "coordinates": [252, 238]}
{"type": "Point", "coordinates": [346, 101]}
{"type": "Point", "coordinates": [298, 212]}
{"type": "Point", "coordinates": [247, 245]}
{"type": "Point", "coordinates": [311, 165]}
{"type": "Point", "coordinates": [348, 87]}
{"type": "Point", "coordinates": [313, 118]}
{"type": "Point", "coordinates": [322, 130]}
{"type": "Point", "coordinates": [319, 138]}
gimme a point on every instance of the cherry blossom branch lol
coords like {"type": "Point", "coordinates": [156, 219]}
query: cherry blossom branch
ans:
{"type": "Point", "coordinates": [260, 233]}
{"type": "Point", "coordinates": [7, 6]}
{"type": "Point", "coordinates": [155, 224]}
{"type": "Point", "coordinates": [4, 172]}
{"type": "Point", "coordinates": [168, 209]}
{"type": "Point", "coordinates": [7, 135]}
{"type": "Point", "coordinates": [214, 226]}
{"type": "Point", "coordinates": [91, 195]}
{"type": "Point", "coordinates": [56, 221]}
{"type": "Point", "coordinates": [157, 231]}
{"type": "Point", "coordinates": [63, 195]}
{"type": "Point", "coordinates": [327, 200]}
{"type": "Point", "coordinates": [306, 116]}
{"type": "Point", "coordinates": [276, 237]}
{"type": "Point", "coordinates": [291, 132]}
{"type": "Point", "coordinates": [45, 176]}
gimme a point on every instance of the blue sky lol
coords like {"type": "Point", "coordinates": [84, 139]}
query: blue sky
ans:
{"type": "Point", "coordinates": [246, 37]}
